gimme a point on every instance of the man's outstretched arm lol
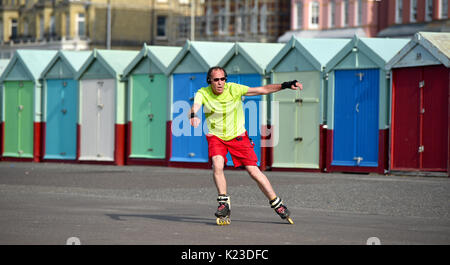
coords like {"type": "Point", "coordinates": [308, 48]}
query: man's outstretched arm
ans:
{"type": "Point", "coordinates": [267, 89]}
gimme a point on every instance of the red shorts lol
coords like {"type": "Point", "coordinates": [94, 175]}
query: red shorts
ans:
{"type": "Point", "coordinates": [240, 148]}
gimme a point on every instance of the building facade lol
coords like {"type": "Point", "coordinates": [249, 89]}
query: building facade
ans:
{"type": "Point", "coordinates": [333, 18]}
{"type": "Point", "coordinates": [403, 18]}
{"type": "Point", "coordinates": [366, 18]}
{"type": "Point", "coordinates": [87, 24]}
{"type": "Point", "coordinates": [245, 20]}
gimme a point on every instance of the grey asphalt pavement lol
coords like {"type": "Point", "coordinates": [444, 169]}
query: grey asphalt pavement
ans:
{"type": "Point", "coordinates": [47, 203]}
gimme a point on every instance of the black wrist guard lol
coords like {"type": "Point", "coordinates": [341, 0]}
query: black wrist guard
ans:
{"type": "Point", "coordinates": [193, 115]}
{"type": "Point", "coordinates": [288, 84]}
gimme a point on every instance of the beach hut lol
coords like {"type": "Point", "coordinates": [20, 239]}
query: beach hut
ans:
{"type": "Point", "coordinates": [22, 111]}
{"type": "Point", "coordinates": [148, 106]}
{"type": "Point", "coordinates": [246, 64]}
{"type": "Point", "coordinates": [297, 121]}
{"type": "Point", "coordinates": [3, 64]}
{"type": "Point", "coordinates": [60, 105]}
{"type": "Point", "coordinates": [358, 105]}
{"type": "Point", "coordinates": [188, 145]}
{"type": "Point", "coordinates": [420, 128]}
{"type": "Point", "coordinates": [102, 107]}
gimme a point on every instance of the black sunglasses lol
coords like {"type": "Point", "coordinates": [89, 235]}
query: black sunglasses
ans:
{"type": "Point", "coordinates": [221, 79]}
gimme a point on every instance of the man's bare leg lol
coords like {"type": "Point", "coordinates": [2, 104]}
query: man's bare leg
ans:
{"type": "Point", "coordinates": [219, 177]}
{"type": "Point", "coordinates": [262, 181]}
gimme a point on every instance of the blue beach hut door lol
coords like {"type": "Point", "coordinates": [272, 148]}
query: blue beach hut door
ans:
{"type": "Point", "coordinates": [61, 124]}
{"type": "Point", "coordinates": [188, 143]}
{"type": "Point", "coordinates": [355, 136]}
{"type": "Point", "coordinates": [251, 111]}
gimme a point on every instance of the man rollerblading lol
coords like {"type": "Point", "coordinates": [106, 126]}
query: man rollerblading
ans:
{"type": "Point", "coordinates": [225, 118]}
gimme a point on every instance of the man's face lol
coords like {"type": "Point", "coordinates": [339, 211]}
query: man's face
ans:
{"type": "Point", "coordinates": [217, 81]}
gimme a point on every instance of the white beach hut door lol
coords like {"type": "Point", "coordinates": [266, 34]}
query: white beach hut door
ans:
{"type": "Point", "coordinates": [98, 119]}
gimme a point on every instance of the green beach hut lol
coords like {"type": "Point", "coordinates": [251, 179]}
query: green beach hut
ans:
{"type": "Point", "coordinates": [147, 100]}
{"type": "Point", "coordinates": [22, 110]}
{"type": "Point", "coordinates": [297, 117]}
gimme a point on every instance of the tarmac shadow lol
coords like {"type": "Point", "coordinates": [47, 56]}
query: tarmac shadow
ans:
{"type": "Point", "coordinates": [181, 219]}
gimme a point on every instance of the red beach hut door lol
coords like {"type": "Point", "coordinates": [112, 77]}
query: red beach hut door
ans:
{"type": "Point", "coordinates": [420, 119]}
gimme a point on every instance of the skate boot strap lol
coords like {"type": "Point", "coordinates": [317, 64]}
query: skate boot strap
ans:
{"type": "Point", "coordinates": [223, 198]}
{"type": "Point", "coordinates": [276, 203]}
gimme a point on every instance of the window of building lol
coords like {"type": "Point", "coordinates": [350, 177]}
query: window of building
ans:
{"type": "Point", "coordinates": [1, 31]}
{"type": "Point", "coordinates": [331, 14]}
{"type": "Point", "coordinates": [26, 28]}
{"type": "Point", "coordinates": [183, 1]}
{"type": "Point", "coordinates": [299, 9]}
{"type": "Point", "coordinates": [263, 19]}
{"type": "Point", "coordinates": [68, 25]}
{"type": "Point", "coordinates": [161, 22]}
{"type": "Point", "coordinates": [314, 15]}
{"type": "Point", "coordinates": [222, 24]}
{"type": "Point", "coordinates": [345, 13]}
{"type": "Point", "coordinates": [81, 25]}
{"type": "Point", "coordinates": [413, 11]}
{"type": "Point", "coordinates": [41, 27]}
{"type": "Point", "coordinates": [359, 13]}
{"type": "Point", "coordinates": [398, 11]}
{"type": "Point", "coordinates": [52, 25]}
{"type": "Point", "coordinates": [444, 9]}
{"type": "Point", "coordinates": [209, 19]}
{"type": "Point", "coordinates": [254, 20]}
{"type": "Point", "coordinates": [14, 28]}
{"type": "Point", "coordinates": [239, 21]}
{"type": "Point", "coordinates": [429, 10]}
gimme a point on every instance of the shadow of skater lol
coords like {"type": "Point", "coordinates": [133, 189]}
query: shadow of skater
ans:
{"type": "Point", "coordinates": [172, 218]}
{"type": "Point", "coordinates": [183, 219]}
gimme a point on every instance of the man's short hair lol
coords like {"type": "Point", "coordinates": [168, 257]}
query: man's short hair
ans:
{"type": "Point", "coordinates": [208, 76]}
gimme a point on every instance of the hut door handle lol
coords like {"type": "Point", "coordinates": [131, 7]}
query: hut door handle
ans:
{"type": "Point", "coordinates": [357, 107]}
{"type": "Point", "coordinates": [358, 160]}
{"type": "Point", "coordinates": [298, 139]}
{"type": "Point", "coordinates": [191, 154]}
{"type": "Point", "coordinates": [150, 116]}
{"type": "Point", "coordinates": [100, 106]}
{"type": "Point", "coordinates": [64, 111]}
{"type": "Point", "coordinates": [20, 107]}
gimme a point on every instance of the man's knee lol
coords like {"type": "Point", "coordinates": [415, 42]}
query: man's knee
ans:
{"type": "Point", "coordinates": [253, 170]}
{"type": "Point", "coordinates": [218, 162]}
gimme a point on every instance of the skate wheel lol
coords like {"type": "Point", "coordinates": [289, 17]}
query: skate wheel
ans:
{"type": "Point", "coordinates": [290, 220]}
{"type": "Point", "coordinates": [223, 221]}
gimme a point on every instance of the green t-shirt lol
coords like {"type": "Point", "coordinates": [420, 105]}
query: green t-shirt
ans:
{"type": "Point", "coordinates": [224, 113]}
